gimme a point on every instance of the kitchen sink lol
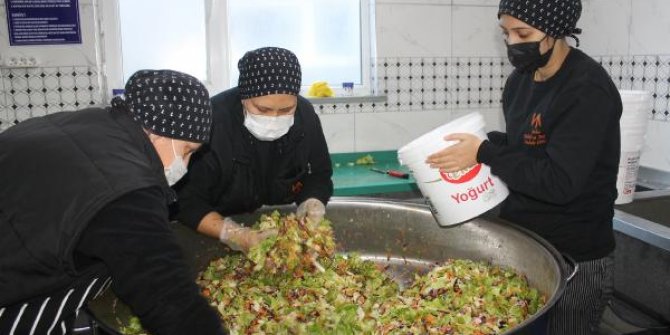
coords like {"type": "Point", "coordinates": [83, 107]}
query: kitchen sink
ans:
{"type": "Point", "coordinates": [652, 205]}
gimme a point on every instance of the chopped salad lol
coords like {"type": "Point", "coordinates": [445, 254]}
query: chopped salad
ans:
{"type": "Point", "coordinates": [295, 283]}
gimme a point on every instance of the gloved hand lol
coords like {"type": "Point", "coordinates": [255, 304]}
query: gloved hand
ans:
{"type": "Point", "coordinates": [242, 238]}
{"type": "Point", "coordinates": [311, 208]}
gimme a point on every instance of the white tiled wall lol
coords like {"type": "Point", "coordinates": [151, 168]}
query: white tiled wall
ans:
{"type": "Point", "coordinates": [340, 131]}
{"type": "Point", "coordinates": [67, 78]}
{"type": "Point", "coordinates": [475, 32]}
{"type": "Point", "coordinates": [429, 67]}
{"type": "Point", "coordinates": [456, 40]}
{"type": "Point", "coordinates": [656, 153]}
{"type": "Point", "coordinates": [33, 92]}
{"type": "Point", "coordinates": [606, 26]}
{"type": "Point", "coordinates": [475, 2]}
{"type": "Point", "coordinates": [612, 29]}
{"type": "Point", "coordinates": [650, 34]}
{"type": "Point", "coordinates": [83, 54]}
{"type": "Point", "coordinates": [650, 27]}
{"type": "Point", "coordinates": [413, 29]}
{"type": "Point", "coordinates": [3, 110]}
{"type": "Point", "coordinates": [390, 130]}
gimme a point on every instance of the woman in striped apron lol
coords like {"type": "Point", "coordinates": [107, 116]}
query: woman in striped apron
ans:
{"type": "Point", "coordinates": [84, 207]}
{"type": "Point", "coordinates": [54, 313]}
{"type": "Point", "coordinates": [559, 155]}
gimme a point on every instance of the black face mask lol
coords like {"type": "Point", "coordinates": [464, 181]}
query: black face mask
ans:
{"type": "Point", "coordinates": [526, 57]}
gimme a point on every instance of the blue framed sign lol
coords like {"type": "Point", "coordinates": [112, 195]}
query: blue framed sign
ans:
{"type": "Point", "coordinates": [43, 22]}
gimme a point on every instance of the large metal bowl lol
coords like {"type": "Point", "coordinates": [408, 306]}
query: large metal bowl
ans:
{"type": "Point", "coordinates": [405, 235]}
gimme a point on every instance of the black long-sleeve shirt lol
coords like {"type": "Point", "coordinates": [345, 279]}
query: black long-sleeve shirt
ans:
{"type": "Point", "coordinates": [131, 236]}
{"type": "Point", "coordinates": [560, 155]}
{"type": "Point", "coordinates": [237, 173]}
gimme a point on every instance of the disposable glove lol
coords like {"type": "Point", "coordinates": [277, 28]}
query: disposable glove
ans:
{"type": "Point", "coordinates": [312, 208]}
{"type": "Point", "coordinates": [242, 238]}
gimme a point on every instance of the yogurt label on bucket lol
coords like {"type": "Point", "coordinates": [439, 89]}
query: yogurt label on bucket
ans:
{"type": "Point", "coordinates": [485, 191]}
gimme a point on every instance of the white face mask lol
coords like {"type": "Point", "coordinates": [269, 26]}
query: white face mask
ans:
{"type": "Point", "coordinates": [267, 128]}
{"type": "Point", "coordinates": [177, 168]}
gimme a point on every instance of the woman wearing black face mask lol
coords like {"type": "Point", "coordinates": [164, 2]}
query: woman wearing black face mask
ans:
{"type": "Point", "coordinates": [560, 153]}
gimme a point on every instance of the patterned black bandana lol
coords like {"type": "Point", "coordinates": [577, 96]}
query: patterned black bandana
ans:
{"type": "Point", "coordinates": [168, 103]}
{"type": "Point", "coordinates": [267, 71]}
{"type": "Point", "coordinates": [556, 18]}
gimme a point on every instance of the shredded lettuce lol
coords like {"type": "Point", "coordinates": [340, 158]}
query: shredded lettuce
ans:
{"type": "Point", "coordinates": [278, 289]}
{"type": "Point", "coordinates": [295, 283]}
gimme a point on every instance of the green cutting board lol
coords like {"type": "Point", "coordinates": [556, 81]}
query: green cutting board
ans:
{"type": "Point", "coordinates": [352, 179]}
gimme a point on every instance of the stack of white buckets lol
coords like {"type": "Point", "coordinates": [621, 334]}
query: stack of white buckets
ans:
{"type": "Point", "coordinates": [636, 107]}
{"type": "Point", "coordinates": [461, 196]}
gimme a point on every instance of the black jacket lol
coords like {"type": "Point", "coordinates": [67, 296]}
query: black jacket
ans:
{"type": "Point", "coordinates": [560, 155]}
{"type": "Point", "coordinates": [238, 173]}
{"type": "Point", "coordinates": [71, 186]}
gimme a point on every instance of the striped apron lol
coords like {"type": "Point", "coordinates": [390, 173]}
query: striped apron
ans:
{"type": "Point", "coordinates": [54, 313]}
{"type": "Point", "coordinates": [580, 310]}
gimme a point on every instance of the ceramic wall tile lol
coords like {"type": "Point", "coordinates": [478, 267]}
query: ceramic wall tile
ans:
{"type": "Point", "coordinates": [475, 31]}
{"type": "Point", "coordinates": [650, 27]}
{"type": "Point", "coordinates": [605, 27]}
{"type": "Point", "coordinates": [407, 30]}
{"type": "Point", "coordinates": [655, 153]}
{"type": "Point", "coordinates": [389, 131]}
{"type": "Point", "coordinates": [339, 131]}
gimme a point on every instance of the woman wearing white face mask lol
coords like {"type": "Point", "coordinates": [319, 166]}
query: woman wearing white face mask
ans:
{"type": "Point", "coordinates": [267, 148]}
{"type": "Point", "coordinates": [84, 207]}
{"type": "Point", "coordinates": [179, 166]}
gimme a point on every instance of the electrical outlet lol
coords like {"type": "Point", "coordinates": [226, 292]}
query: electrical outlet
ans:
{"type": "Point", "coordinates": [28, 61]}
{"type": "Point", "coordinates": [16, 61]}
{"type": "Point", "coordinates": [34, 61]}
{"type": "Point", "coordinates": [12, 61]}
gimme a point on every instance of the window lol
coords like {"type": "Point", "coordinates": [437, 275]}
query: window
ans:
{"type": "Point", "coordinates": [324, 34]}
{"type": "Point", "coordinates": [163, 34]}
{"type": "Point", "coordinates": [206, 38]}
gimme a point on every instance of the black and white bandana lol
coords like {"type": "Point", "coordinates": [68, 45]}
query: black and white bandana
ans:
{"type": "Point", "coordinates": [168, 103]}
{"type": "Point", "coordinates": [556, 18]}
{"type": "Point", "coordinates": [267, 71]}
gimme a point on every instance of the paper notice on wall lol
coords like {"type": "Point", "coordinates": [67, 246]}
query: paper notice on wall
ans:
{"type": "Point", "coordinates": [43, 22]}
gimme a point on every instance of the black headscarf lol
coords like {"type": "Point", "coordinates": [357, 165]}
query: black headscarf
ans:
{"type": "Point", "coordinates": [267, 71]}
{"type": "Point", "coordinates": [557, 18]}
{"type": "Point", "coordinates": [168, 103]}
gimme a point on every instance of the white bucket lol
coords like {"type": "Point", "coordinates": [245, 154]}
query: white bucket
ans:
{"type": "Point", "coordinates": [633, 123]}
{"type": "Point", "coordinates": [453, 197]}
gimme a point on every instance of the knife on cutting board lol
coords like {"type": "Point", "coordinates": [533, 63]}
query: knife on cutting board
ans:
{"type": "Point", "coordinates": [392, 173]}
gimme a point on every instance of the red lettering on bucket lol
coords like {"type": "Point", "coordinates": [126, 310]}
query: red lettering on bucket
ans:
{"type": "Point", "coordinates": [473, 192]}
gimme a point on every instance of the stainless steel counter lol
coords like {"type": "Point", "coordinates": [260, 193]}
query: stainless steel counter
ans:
{"type": "Point", "coordinates": [642, 254]}
{"type": "Point", "coordinates": [653, 179]}
{"type": "Point", "coordinates": [647, 218]}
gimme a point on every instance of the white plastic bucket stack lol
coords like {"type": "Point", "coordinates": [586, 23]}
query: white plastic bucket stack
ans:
{"type": "Point", "coordinates": [453, 197]}
{"type": "Point", "coordinates": [636, 107]}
